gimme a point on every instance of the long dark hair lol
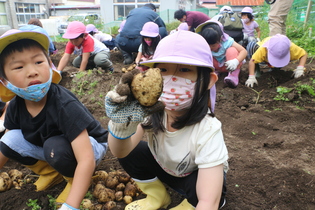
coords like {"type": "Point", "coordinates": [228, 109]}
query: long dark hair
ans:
{"type": "Point", "coordinates": [198, 110]}
{"type": "Point", "coordinates": [147, 50]}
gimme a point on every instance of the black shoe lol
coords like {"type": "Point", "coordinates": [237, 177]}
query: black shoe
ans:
{"type": "Point", "coordinates": [111, 69]}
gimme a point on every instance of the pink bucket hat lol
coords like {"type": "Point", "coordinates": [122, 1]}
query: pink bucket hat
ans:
{"type": "Point", "coordinates": [200, 27]}
{"type": "Point", "coordinates": [278, 47]}
{"type": "Point", "coordinates": [121, 26]}
{"type": "Point", "coordinates": [173, 49]}
{"type": "Point", "coordinates": [74, 30]}
{"type": "Point", "coordinates": [91, 27]}
{"type": "Point", "coordinates": [247, 10]}
{"type": "Point", "coordinates": [150, 29]}
{"type": "Point", "coordinates": [183, 26]}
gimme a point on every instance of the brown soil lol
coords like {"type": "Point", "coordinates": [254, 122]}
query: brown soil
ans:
{"type": "Point", "coordinates": [271, 143]}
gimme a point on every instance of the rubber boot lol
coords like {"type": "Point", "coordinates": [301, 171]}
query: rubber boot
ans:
{"type": "Point", "coordinates": [48, 176]}
{"type": "Point", "coordinates": [257, 71]}
{"type": "Point", "coordinates": [157, 197]}
{"type": "Point", "coordinates": [64, 194]}
{"type": "Point", "coordinates": [232, 79]}
{"type": "Point", "coordinates": [184, 205]}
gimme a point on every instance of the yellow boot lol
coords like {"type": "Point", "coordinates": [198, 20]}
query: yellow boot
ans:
{"type": "Point", "coordinates": [157, 197]}
{"type": "Point", "coordinates": [64, 194]}
{"type": "Point", "coordinates": [48, 176]}
{"type": "Point", "coordinates": [184, 205]}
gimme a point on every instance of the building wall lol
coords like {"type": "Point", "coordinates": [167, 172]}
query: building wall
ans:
{"type": "Point", "coordinates": [18, 12]}
{"type": "Point", "coordinates": [109, 10]}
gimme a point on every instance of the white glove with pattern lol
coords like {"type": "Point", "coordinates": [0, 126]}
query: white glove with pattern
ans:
{"type": "Point", "coordinates": [299, 71]}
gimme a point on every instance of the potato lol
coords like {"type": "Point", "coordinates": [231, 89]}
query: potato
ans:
{"type": "Point", "coordinates": [100, 176]}
{"type": "Point", "coordinates": [106, 195]}
{"type": "Point", "coordinates": [127, 199]}
{"type": "Point", "coordinates": [5, 182]}
{"type": "Point", "coordinates": [16, 185]}
{"type": "Point", "coordinates": [147, 86]}
{"type": "Point", "coordinates": [119, 195]}
{"type": "Point", "coordinates": [123, 176]}
{"type": "Point", "coordinates": [131, 67]}
{"type": "Point", "coordinates": [98, 189]}
{"type": "Point", "coordinates": [98, 206]}
{"type": "Point", "coordinates": [120, 187]}
{"type": "Point", "coordinates": [87, 204]}
{"type": "Point", "coordinates": [15, 174]}
{"type": "Point", "coordinates": [111, 181]}
{"type": "Point", "coordinates": [109, 205]}
{"type": "Point", "coordinates": [130, 189]}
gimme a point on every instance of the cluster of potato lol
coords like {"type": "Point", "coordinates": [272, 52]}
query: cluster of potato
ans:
{"type": "Point", "coordinates": [110, 188]}
{"type": "Point", "coordinates": [130, 68]}
{"type": "Point", "coordinates": [13, 178]}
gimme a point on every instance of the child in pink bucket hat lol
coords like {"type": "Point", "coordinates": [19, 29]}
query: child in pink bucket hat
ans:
{"type": "Point", "coordinates": [227, 54]}
{"type": "Point", "coordinates": [185, 147]}
{"type": "Point", "coordinates": [90, 51]}
{"type": "Point", "coordinates": [149, 40]}
{"type": "Point", "coordinates": [277, 51]}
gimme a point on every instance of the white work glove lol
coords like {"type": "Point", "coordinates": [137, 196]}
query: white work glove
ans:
{"type": "Point", "coordinates": [251, 81]}
{"type": "Point", "coordinates": [231, 65]}
{"type": "Point", "coordinates": [67, 207]}
{"type": "Point", "coordinates": [299, 71]}
{"type": "Point", "coordinates": [258, 40]}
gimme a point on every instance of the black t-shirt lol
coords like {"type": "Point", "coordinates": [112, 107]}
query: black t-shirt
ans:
{"type": "Point", "coordinates": [63, 114]}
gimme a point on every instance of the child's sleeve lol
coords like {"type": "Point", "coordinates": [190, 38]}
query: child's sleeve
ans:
{"type": "Point", "coordinates": [211, 148]}
{"type": "Point", "coordinates": [88, 45]}
{"type": "Point", "coordinates": [296, 52]}
{"type": "Point", "coordinates": [69, 48]}
{"type": "Point", "coordinates": [260, 55]}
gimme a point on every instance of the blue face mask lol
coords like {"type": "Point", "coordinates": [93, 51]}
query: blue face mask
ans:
{"type": "Point", "coordinates": [33, 92]}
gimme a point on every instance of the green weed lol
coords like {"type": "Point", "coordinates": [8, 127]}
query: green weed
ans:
{"type": "Point", "coordinates": [33, 204]}
{"type": "Point", "coordinates": [281, 93]}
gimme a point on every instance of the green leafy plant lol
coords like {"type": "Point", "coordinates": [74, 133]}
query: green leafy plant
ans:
{"type": "Point", "coordinates": [281, 93]}
{"type": "Point", "coordinates": [52, 202]}
{"type": "Point", "coordinates": [308, 88]}
{"type": "Point", "coordinates": [33, 204]}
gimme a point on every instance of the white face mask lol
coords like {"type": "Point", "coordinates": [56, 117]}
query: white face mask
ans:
{"type": "Point", "coordinates": [177, 93]}
{"type": "Point", "coordinates": [246, 20]}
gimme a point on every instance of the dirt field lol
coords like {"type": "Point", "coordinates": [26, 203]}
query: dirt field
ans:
{"type": "Point", "coordinates": [270, 142]}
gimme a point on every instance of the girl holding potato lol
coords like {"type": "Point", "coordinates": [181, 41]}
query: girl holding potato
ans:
{"type": "Point", "coordinates": [185, 148]}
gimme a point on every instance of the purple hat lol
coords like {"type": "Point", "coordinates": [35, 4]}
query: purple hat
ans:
{"type": "Point", "coordinates": [183, 26]}
{"type": "Point", "coordinates": [74, 30]}
{"type": "Point", "coordinates": [91, 27]}
{"type": "Point", "coordinates": [278, 47]}
{"type": "Point", "coordinates": [122, 24]}
{"type": "Point", "coordinates": [150, 29]}
{"type": "Point", "coordinates": [247, 10]}
{"type": "Point", "coordinates": [173, 49]}
{"type": "Point", "coordinates": [200, 27]}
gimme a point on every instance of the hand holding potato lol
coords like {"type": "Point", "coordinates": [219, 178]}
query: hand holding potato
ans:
{"type": "Point", "coordinates": [125, 109]}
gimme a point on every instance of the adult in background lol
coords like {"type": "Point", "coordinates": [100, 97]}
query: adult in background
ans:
{"type": "Point", "coordinates": [129, 39]}
{"type": "Point", "coordinates": [192, 18]}
{"type": "Point", "coordinates": [278, 15]}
